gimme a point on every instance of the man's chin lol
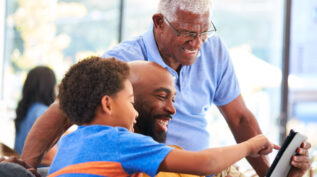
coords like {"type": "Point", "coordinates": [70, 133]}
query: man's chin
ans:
{"type": "Point", "coordinates": [188, 60]}
{"type": "Point", "coordinates": [161, 137]}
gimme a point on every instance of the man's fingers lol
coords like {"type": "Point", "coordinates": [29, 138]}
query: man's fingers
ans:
{"type": "Point", "coordinates": [12, 159]}
{"type": "Point", "coordinates": [32, 170]}
{"type": "Point", "coordinates": [302, 152]}
{"type": "Point", "coordinates": [302, 162]}
{"type": "Point", "coordinates": [301, 159]}
{"type": "Point", "coordinates": [306, 145]}
{"type": "Point", "coordinates": [301, 165]}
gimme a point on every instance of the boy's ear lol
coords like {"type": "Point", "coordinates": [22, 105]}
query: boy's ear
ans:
{"type": "Point", "coordinates": [106, 103]}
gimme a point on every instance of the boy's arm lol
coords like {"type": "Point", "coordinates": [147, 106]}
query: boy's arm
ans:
{"type": "Point", "coordinates": [45, 132]}
{"type": "Point", "coordinates": [214, 160]}
{"type": "Point", "coordinates": [244, 125]}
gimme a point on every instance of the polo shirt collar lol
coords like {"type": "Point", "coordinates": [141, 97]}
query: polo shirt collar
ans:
{"type": "Point", "coordinates": [152, 53]}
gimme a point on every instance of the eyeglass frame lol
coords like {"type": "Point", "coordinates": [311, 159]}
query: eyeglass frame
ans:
{"type": "Point", "coordinates": [192, 34]}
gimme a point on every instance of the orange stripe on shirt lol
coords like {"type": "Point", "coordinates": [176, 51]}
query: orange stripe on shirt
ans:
{"type": "Point", "coordinates": [94, 168]}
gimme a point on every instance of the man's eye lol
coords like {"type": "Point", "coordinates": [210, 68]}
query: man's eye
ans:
{"type": "Point", "coordinates": [189, 34]}
{"type": "Point", "coordinates": [161, 97]}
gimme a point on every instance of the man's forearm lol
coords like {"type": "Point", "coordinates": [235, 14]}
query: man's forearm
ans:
{"type": "Point", "coordinates": [44, 134]}
{"type": "Point", "coordinates": [243, 125]}
{"type": "Point", "coordinates": [244, 131]}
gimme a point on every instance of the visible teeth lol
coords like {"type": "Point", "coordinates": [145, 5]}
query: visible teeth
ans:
{"type": "Point", "coordinates": [163, 122]}
{"type": "Point", "coordinates": [194, 50]}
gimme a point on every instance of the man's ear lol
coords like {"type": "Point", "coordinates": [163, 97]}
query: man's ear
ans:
{"type": "Point", "coordinates": [158, 20]}
{"type": "Point", "coordinates": [106, 104]}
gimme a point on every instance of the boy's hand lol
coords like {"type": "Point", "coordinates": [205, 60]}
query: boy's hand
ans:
{"type": "Point", "coordinates": [260, 145]}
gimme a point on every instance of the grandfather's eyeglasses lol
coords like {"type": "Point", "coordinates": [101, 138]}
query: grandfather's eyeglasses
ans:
{"type": "Point", "coordinates": [190, 35]}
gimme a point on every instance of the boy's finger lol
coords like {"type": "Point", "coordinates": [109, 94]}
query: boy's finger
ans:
{"type": "Point", "coordinates": [277, 147]}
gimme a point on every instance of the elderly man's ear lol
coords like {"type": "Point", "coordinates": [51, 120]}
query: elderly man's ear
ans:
{"type": "Point", "coordinates": [158, 20]}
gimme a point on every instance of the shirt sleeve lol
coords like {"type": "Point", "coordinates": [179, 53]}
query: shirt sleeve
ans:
{"type": "Point", "coordinates": [140, 153]}
{"type": "Point", "coordinates": [228, 86]}
{"type": "Point", "coordinates": [127, 51]}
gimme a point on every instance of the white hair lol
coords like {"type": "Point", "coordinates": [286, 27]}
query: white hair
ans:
{"type": "Point", "coordinates": [168, 7]}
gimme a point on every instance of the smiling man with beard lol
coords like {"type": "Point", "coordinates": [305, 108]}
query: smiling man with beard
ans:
{"type": "Point", "coordinates": [154, 97]}
{"type": "Point", "coordinates": [154, 94]}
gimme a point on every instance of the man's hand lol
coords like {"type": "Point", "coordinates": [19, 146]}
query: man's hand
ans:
{"type": "Point", "coordinates": [300, 162]}
{"type": "Point", "coordinates": [22, 163]}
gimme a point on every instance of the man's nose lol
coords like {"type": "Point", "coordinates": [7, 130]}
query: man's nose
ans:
{"type": "Point", "coordinates": [170, 108]}
{"type": "Point", "coordinates": [196, 42]}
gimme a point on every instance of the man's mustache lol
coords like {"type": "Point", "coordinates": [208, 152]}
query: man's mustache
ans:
{"type": "Point", "coordinates": [158, 116]}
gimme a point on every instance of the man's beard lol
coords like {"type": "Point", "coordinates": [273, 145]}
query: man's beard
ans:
{"type": "Point", "coordinates": [146, 125]}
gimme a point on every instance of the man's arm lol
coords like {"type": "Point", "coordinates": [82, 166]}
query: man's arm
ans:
{"type": "Point", "coordinates": [243, 125]}
{"type": "Point", "coordinates": [45, 132]}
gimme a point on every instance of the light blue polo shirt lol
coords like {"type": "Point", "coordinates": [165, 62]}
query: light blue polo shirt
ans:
{"type": "Point", "coordinates": [211, 79]}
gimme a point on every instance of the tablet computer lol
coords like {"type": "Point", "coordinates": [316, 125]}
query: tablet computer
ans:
{"type": "Point", "coordinates": [281, 164]}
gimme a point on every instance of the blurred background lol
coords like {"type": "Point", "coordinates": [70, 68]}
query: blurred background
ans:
{"type": "Point", "coordinates": [57, 33]}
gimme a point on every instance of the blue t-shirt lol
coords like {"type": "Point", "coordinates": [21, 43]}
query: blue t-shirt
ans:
{"type": "Point", "coordinates": [108, 151]}
{"type": "Point", "coordinates": [34, 112]}
{"type": "Point", "coordinates": [210, 79]}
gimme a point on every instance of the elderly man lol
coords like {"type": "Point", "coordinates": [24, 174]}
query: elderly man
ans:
{"type": "Point", "coordinates": [180, 41]}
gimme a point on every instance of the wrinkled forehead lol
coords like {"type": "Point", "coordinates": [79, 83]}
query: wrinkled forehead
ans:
{"type": "Point", "coordinates": [186, 19]}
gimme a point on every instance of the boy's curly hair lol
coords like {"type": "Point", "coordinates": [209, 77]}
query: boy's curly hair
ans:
{"type": "Point", "coordinates": [86, 82]}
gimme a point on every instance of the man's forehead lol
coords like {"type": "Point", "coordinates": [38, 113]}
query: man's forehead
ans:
{"type": "Point", "coordinates": [187, 19]}
{"type": "Point", "coordinates": [144, 71]}
{"type": "Point", "coordinates": [170, 90]}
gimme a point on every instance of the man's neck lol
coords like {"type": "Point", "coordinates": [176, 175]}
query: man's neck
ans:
{"type": "Point", "coordinates": [174, 65]}
{"type": "Point", "coordinates": [167, 60]}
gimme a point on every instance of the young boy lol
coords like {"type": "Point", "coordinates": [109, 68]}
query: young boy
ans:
{"type": "Point", "coordinates": [97, 95]}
